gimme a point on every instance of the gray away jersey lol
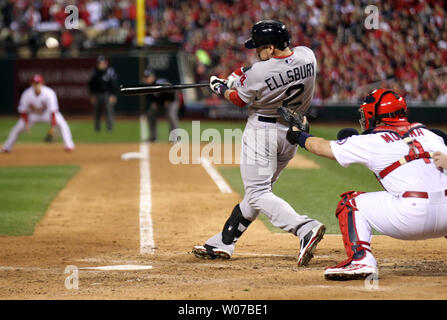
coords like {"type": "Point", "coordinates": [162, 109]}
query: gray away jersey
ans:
{"type": "Point", "coordinates": [278, 81]}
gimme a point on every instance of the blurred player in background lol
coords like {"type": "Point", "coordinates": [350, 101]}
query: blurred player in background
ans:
{"type": "Point", "coordinates": [167, 102]}
{"type": "Point", "coordinates": [103, 87]}
{"type": "Point", "coordinates": [38, 103]}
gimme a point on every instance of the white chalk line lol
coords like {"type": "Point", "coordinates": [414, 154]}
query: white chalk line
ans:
{"type": "Point", "coordinates": [215, 175]}
{"type": "Point", "coordinates": [144, 131]}
{"type": "Point", "coordinates": [147, 244]}
{"type": "Point", "coordinates": [123, 267]}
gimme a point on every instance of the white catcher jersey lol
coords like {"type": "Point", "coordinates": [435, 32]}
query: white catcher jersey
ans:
{"type": "Point", "coordinates": [42, 104]}
{"type": "Point", "coordinates": [279, 80]}
{"type": "Point", "coordinates": [379, 150]}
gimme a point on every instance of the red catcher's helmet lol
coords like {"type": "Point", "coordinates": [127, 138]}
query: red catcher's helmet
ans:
{"type": "Point", "coordinates": [382, 105]}
{"type": "Point", "coordinates": [37, 78]}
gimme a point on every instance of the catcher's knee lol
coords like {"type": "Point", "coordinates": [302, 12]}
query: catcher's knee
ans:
{"type": "Point", "coordinates": [234, 227]}
{"type": "Point", "coordinates": [345, 213]}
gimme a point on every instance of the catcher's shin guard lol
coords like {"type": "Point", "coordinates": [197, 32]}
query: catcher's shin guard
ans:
{"type": "Point", "coordinates": [234, 227]}
{"type": "Point", "coordinates": [345, 213]}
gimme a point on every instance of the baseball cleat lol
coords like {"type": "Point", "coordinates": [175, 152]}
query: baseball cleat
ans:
{"type": "Point", "coordinates": [210, 252]}
{"type": "Point", "coordinates": [351, 272]}
{"type": "Point", "coordinates": [68, 149]}
{"type": "Point", "coordinates": [5, 151]}
{"type": "Point", "coordinates": [308, 244]}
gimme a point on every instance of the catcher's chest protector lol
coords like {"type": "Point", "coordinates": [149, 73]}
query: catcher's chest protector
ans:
{"type": "Point", "coordinates": [406, 133]}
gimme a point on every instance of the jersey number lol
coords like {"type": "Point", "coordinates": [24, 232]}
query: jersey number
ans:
{"type": "Point", "coordinates": [417, 145]}
{"type": "Point", "coordinates": [299, 89]}
{"type": "Point", "coordinates": [242, 80]}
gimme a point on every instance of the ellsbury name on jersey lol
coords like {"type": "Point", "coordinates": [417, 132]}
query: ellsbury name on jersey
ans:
{"type": "Point", "coordinates": [295, 74]}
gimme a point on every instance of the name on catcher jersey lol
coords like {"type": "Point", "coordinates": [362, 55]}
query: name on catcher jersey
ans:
{"type": "Point", "coordinates": [379, 150]}
{"type": "Point", "coordinates": [279, 81]}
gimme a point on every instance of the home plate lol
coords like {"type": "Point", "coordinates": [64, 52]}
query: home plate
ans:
{"type": "Point", "coordinates": [132, 155]}
{"type": "Point", "coordinates": [126, 267]}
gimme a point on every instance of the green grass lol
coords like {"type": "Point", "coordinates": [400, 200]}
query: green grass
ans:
{"type": "Point", "coordinates": [82, 131]}
{"type": "Point", "coordinates": [124, 130]}
{"type": "Point", "coordinates": [26, 193]}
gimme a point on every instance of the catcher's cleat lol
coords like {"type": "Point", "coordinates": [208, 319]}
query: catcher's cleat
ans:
{"type": "Point", "coordinates": [210, 252]}
{"type": "Point", "coordinates": [351, 272]}
{"type": "Point", "coordinates": [308, 244]}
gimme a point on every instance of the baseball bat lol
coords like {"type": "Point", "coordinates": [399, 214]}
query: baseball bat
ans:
{"type": "Point", "coordinates": [142, 89]}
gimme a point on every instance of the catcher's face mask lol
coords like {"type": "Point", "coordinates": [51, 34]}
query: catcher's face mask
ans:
{"type": "Point", "coordinates": [381, 105]}
{"type": "Point", "coordinates": [367, 112]}
{"type": "Point", "coordinates": [362, 119]}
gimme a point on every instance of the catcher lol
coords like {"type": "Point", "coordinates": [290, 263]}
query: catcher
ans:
{"type": "Point", "coordinates": [414, 203]}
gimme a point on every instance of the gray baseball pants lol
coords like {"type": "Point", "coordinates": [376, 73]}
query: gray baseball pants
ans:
{"type": "Point", "coordinates": [265, 153]}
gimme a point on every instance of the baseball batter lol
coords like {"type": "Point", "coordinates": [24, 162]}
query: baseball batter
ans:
{"type": "Point", "coordinates": [282, 77]}
{"type": "Point", "coordinates": [38, 103]}
{"type": "Point", "coordinates": [414, 203]}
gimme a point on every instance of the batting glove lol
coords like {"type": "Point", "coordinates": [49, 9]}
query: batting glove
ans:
{"type": "Point", "coordinates": [218, 85]}
{"type": "Point", "coordinates": [230, 80]}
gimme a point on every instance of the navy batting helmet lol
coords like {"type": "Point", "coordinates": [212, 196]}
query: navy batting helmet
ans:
{"type": "Point", "coordinates": [268, 32]}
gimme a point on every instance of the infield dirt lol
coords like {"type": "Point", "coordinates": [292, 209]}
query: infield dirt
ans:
{"type": "Point", "coordinates": [94, 221]}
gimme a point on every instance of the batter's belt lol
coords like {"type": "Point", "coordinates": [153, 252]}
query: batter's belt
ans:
{"type": "Point", "coordinates": [272, 120]}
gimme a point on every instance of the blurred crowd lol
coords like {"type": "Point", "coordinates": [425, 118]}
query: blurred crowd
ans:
{"type": "Point", "coordinates": [29, 22]}
{"type": "Point", "coordinates": [408, 52]}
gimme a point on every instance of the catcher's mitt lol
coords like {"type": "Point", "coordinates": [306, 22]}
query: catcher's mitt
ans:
{"type": "Point", "coordinates": [294, 119]}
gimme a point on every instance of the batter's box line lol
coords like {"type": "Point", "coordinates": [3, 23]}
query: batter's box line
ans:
{"type": "Point", "coordinates": [215, 175]}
